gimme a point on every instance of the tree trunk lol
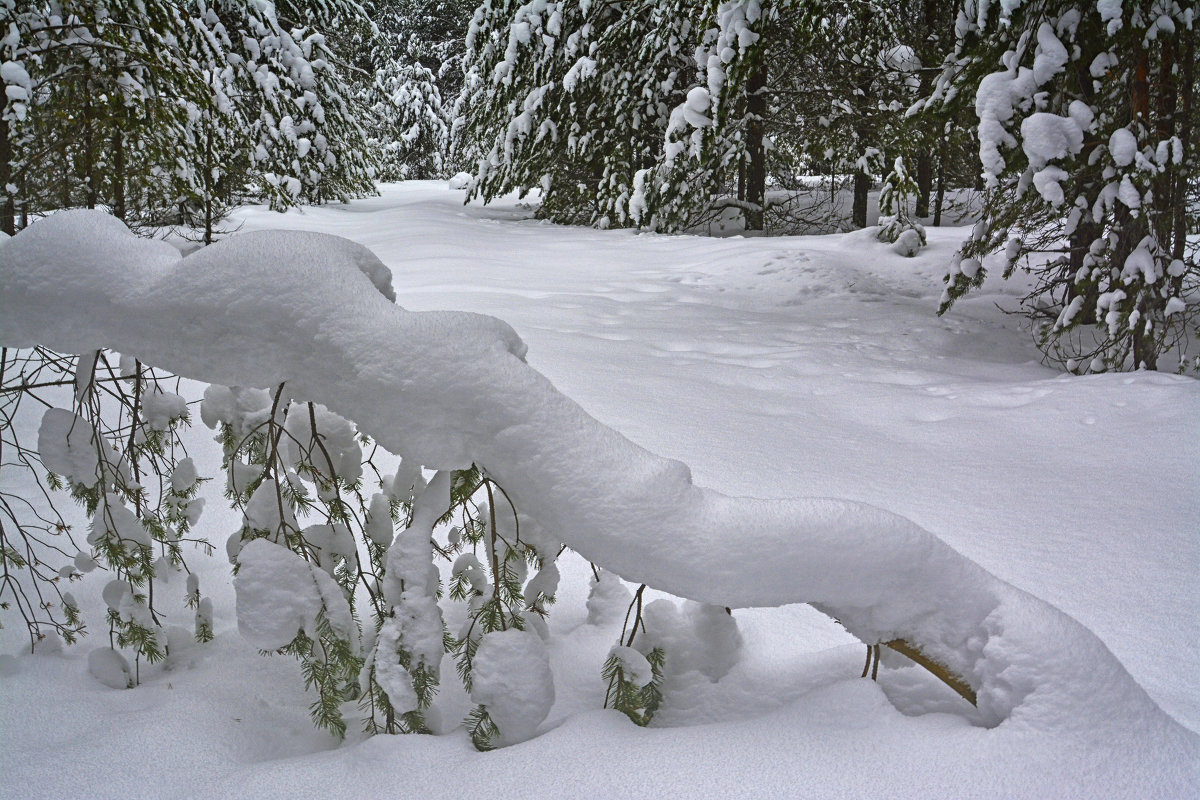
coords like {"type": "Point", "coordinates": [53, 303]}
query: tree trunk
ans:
{"type": "Point", "coordinates": [1144, 350]}
{"type": "Point", "coordinates": [1186, 110]}
{"type": "Point", "coordinates": [924, 183]}
{"type": "Point", "coordinates": [940, 202]}
{"type": "Point", "coordinates": [927, 52]}
{"type": "Point", "coordinates": [89, 154]}
{"type": "Point", "coordinates": [8, 211]}
{"type": "Point", "coordinates": [862, 185]}
{"type": "Point", "coordinates": [208, 187]}
{"type": "Point", "coordinates": [118, 177]}
{"type": "Point", "coordinates": [756, 152]}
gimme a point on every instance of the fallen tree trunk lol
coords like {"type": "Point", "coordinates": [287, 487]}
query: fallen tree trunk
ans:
{"type": "Point", "coordinates": [452, 389]}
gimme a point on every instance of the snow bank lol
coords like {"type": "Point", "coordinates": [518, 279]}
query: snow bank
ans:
{"type": "Point", "coordinates": [448, 389]}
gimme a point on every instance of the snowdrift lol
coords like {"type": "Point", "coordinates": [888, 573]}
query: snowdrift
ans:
{"type": "Point", "coordinates": [450, 389]}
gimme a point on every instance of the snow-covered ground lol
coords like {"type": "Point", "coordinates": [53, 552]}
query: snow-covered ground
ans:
{"type": "Point", "coordinates": [775, 367]}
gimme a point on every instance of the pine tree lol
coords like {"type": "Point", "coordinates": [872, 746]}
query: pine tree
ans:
{"type": "Point", "coordinates": [93, 106]}
{"type": "Point", "coordinates": [303, 134]}
{"type": "Point", "coordinates": [669, 115]}
{"type": "Point", "coordinates": [167, 112]}
{"type": "Point", "coordinates": [1087, 140]}
{"type": "Point", "coordinates": [408, 64]}
{"type": "Point", "coordinates": [573, 100]}
{"type": "Point", "coordinates": [896, 224]}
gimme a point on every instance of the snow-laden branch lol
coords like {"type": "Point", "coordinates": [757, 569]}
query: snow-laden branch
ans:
{"type": "Point", "coordinates": [451, 389]}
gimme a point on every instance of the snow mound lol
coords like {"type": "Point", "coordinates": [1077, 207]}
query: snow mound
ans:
{"type": "Point", "coordinates": [608, 599]}
{"type": "Point", "coordinates": [908, 243]}
{"type": "Point", "coordinates": [511, 677]}
{"type": "Point", "coordinates": [110, 668]}
{"type": "Point", "coordinates": [279, 594]}
{"type": "Point", "coordinates": [451, 389]}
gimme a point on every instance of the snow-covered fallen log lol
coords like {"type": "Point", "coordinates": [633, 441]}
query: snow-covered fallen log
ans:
{"type": "Point", "coordinates": [450, 389]}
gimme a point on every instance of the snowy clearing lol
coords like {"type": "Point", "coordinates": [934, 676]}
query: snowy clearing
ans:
{"type": "Point", "coordinates": [774, 368]}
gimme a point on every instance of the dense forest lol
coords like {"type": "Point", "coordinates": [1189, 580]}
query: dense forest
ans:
{"type": "Point", "coordinates": [1074, 121]}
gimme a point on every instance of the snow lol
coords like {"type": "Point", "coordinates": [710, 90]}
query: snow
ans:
{"type": "Point", "coordinates": [160, 408]}
{"type": "Point", "coordinates": [184, 474]}
{"type": "Point", "coordinates": [1047, 182]}
{"type": "Point", "coordinates": [1122, 145]}
{"type": "Point", "coordinates": [1048, 137]}
{"type": "Point", "coordinates": [65, 442]}
{"type": "Point", "coordinates": [608, 599]}
{"type": "Point", "coordinates": [775, 368]}
{"type": "Point", "coordinates": [110, 668]}
{"type": "Point", "coordinates": [279, 594]}
{"type": "Point", "coordinates": [908, 243]}
{"type": "Point", "coordinates": [995, 101]}
{"type": "Point", "coordinates": [1128, 194]}
{"type": "Point", "coordinates": [511, 678]}
{"type": "Point", "coordinates": [1050, 57]}
{"type": "Point", "coordinates": [634, 665]}
{"type": "Point", "coordinates": [695, 637]}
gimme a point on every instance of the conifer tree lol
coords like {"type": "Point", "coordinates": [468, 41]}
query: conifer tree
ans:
{"type": "Point", "coordinates": [1087, 125]}
{"type": "Point", "coordinates": [165, 111]}
{"type": "Point", "coordinates": [572, 99]}
{"type": "Point", "coordinates": [408, 64]}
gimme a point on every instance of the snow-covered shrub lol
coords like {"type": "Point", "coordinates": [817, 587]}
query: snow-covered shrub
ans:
{"type": "Point", "coordinates": [296, 470]}
{"type": "Point", "coordinates": [634, 682]}
{"type": "Point", "coordinates": [513, 688]}
{"type": "Point", "coordinates": [109, 437]}
{"type": "Point", "coordinates": [499, 593]}
{"type": "Point", "coordinates": [896, 224]}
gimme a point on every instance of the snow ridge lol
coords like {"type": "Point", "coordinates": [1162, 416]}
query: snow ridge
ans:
{"type": "Point", "coordinates": [450, 389]}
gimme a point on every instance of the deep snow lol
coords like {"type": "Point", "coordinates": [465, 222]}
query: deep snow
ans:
{"type": "Point", "coordinates": [778, 368]}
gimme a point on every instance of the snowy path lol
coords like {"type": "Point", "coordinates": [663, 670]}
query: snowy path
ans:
{"type": "Point", "coordinates": [822, 377]}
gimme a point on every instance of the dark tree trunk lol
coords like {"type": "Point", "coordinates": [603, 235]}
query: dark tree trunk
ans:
{"type": "Point", "coordinates": [8, 212]}
{"type": "Point", "coordinates": [740, 111]}
{"type": "Point", "coordinates": [940, 201]}
{"type": "Point", "coordinates": [862, 185]}
{"type": "Point", "coordinates": [756, 152]}
{"type": "Point", "coordinates": [1186, 110]}
{"type": "Point", "coordinates": [208, 187]}
{"type": "Point", "coordinates": [89, 153]}
{"type": "Point", "coordinates": [929, 55]}
{"type": "Point", "coordinates": [1144, 349]}
{"type": "Point", "coordinates": [66, 186]}
{"type": "Point", "coordinates": [924, 183]}
{"type": "Point", "coordinates": [118, 177]}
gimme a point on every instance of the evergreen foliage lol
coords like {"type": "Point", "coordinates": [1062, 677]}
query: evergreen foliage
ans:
{"type": "Point", "coordinates": [116, 450]}
{"type": "Point", "coordinates": [170, 112]}
{"type": "Point", "coordinates": [1087, 120]}
{"type": "Point", "coordinates": [670, 115]}
{"type": "Point", "coordinates": [895, 220]}
{"type": "Point", "coordinates": [408, 72]}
